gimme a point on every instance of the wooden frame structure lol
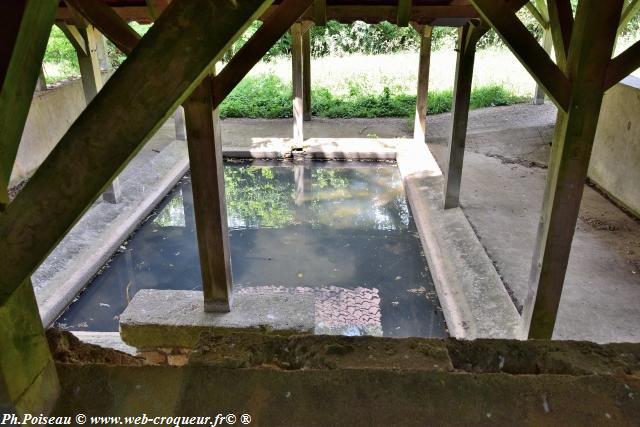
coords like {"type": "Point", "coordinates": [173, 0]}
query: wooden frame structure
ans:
{"type": "Point", "coordinates": [183, 42]}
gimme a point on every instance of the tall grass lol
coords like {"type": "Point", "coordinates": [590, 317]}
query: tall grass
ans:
{"type": "Point", "coordinates": [269, 97]}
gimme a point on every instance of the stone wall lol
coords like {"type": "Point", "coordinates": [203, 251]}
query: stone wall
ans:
{"type": "Point", "coordinates": [367, 381]}
{"type": "Point", "coordinates": [616, 151]}
{"type": "Point", "coordinates": [51, 114]}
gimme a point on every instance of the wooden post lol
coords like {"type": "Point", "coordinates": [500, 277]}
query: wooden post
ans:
{"type": "Point", "coordinates": [420, 123]}
{"type": "Point", "coordinates": [547, 44]}
{"type": "Point", "coordinates": [306, 73]}
{"type": "Point", "coordinates": [24, 33]}
{"type": "Point", "coordinates": [181, 130]}
{"type": "Point", "coordinates": [85, 40]}
{"type": "Point", "coordinates": [41, 85]}
{"type": "Point", "coordinates": [589, 56]}
{"type": "Point", "coordinates": [103, 56]}
{"type": "Point", "coordinates": [297, 79]}
{"type": "Point", "coordinates": [460, 115]}
{"type": "Point", "coordinates": [207, 177]}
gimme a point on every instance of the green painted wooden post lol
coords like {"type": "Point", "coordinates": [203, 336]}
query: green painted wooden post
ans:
{"type": "Point", "coordinates": [24, 32]}
{"type": "Point", "coordinates": [184, 43]}
{"type": "Point", "coordinates": [590, 53]}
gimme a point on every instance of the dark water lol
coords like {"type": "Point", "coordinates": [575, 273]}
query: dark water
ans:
{"type": "Point", "coordinates": [340, 230]}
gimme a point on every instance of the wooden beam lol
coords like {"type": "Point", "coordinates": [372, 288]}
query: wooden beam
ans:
{"type": "Point", "coordinates": [108, 23]}
{"type": "Point", "coordinates": [89, 63]}
{"type": "Point", "coordinates": [190, 37]}
{"type": "Point", "coordinates": [273, 27]}
{"type": "Point", "coordinates": [420, 121]}
{"type": "Point", "coordinates": [24, 32]}
{"type": "Point", "coordinates": [547, 45]}
{"type": "Point", "coordinates": [207, 177]}
{"type": "Point", "coordinates": [156, 7]}
{"type": "Point", "coordinates": [561, 24]}
{"type": "Point", "coordinates": [623, 65]}
{"type": "Point", "coordinates": [320, 12]}
{"type": "Point", "coordinates": [75, 38]}
{"type": "Point", "coordinates": [628, 13]}
{"type": "Point", "coordinates": [467, 40]}
{"type": "Point", "coordinates": [526, 48]}
{"type": "Point", "coordinates": [306, 73]}
{"type": "Point", "coordinates": [404, 12]}
{"type": "Point", "coordinates": [297, 79]}
{"type": "Point", "coordinates": [544, 23]}
{"type": "Point", "coordinates": [589, 56]}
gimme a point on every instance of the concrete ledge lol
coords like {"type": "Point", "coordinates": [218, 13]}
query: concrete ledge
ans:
{"type": "Point", "coordinates": [367, 381]}
{"type": "Point", "coordinates": [475, 302]}
{"type": "Point", "coordinates": [159, 318]}
{"type": "Point", "coordinates": [94, 239]}
{"type": "Point", "coordinates": [350, 148]}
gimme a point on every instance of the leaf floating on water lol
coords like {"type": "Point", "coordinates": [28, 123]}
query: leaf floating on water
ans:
{"type": "Point", "coordinates": [398, 277]}
{"type": "Point", "coordinates": [300, 275]}
{"type": "Point", "coordinates": [419, 291]}
{"type": "Point", "coordinates": [102, 304]}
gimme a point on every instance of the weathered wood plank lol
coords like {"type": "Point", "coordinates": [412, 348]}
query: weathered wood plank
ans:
{"type": "Point", "coordinates": [297, 78]}
{"type": "Point", "coordinates": [273, 27]}
{"type": "Point", "coordinates": [561, 24]}
{"type": "Point", "coordinates": [467, 40]}
{"type": "Point", "coordinates": [533, 9]}
{"type": "Point", "coordinates": [547, 45]}
{"type": "Point", "coordinates": [623, 65]}
{"type": "Point", "coordinates": [75, 38]}
{"type": "Point", "coordinates": [207, 177]}
{"type": "Point", "coordinates": [24, 33]}
{"type": "Point", "coordinates": [108, 22]}
{"type": "Point", "coordinates": [404, 12]}
{"type": "Point", "coordinates": [184, 43]}
{"type": "Point", "coordinates": [589, 56]}
{"type": "Point", "coordinates": [522, 43]}
{"type": "Point", "coordinates": [422, 102]}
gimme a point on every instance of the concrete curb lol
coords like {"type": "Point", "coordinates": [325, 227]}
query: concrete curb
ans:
{"type": "Point", "coordinates": [475, 302]}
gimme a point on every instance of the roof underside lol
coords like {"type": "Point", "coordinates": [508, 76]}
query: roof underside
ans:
{"type": "Point", "coordinates": [432, 12]}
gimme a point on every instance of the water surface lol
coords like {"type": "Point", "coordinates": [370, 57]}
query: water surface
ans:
{"type": "Point", "coordinates": [340, 230]}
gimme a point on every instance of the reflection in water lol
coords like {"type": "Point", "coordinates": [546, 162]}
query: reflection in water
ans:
{"type": "Point", "coordinates": [340, 230]}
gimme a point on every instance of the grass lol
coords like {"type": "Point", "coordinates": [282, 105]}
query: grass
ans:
{"type": "Point", "coordinates": [267, 96]}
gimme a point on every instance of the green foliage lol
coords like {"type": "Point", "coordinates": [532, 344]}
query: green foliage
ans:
{"type": "Point", "coordinates": [61, 55]}
{"type": "Point", "coordinates": [255, 195]}
{"type": "Point", "coordinates": [268, 97]}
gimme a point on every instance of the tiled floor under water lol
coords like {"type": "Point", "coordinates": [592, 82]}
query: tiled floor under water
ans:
{"type": "Point", "coordinates": [341, 230]}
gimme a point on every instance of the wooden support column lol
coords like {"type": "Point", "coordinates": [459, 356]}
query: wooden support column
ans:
{"type": "Point", "coordinates": [91, 73]}
{"type": "Point", "coordinates": [422, 102]}
{"type": "Point", "coordinates": [41, 85]}
{"type": "Point", "coordinates": [467, 40]}
{"type": "Point", "coordinates": [297, 79]}
{"type": "Point", "coordinates": [180, 126]}
{"type": "Point", "coordinates": [541, 13]}
{"type": "Point", "coordinates": [24, 32]}
{"type": "Point", "coordinates": [101, 50]}
{"type": "Point", "coordinates": [207, 177]}
{"type": "Point", "coordinates": [547, 44]}
{"type": "Point", "coordinates": [589, 56]}
{"type": "Point", "coordinates": [306, 73]}
{"type": "Point", "coordinates": [404, 12]}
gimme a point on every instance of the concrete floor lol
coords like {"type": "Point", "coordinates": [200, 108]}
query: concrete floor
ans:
{"type": "Point", "coordinates": [502, 189]}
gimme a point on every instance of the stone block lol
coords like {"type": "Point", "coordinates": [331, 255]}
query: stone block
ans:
{"type": "Point", "coordinates": [168, 318]}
